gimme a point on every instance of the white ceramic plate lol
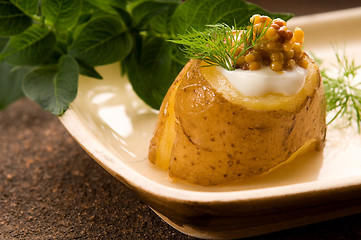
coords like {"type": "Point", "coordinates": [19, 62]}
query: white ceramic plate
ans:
{"type": "Point", "coordinates": [114, 126]}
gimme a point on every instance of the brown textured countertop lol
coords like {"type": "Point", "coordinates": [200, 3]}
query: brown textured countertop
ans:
{"type": "Point", "coordinates": [51, 189]}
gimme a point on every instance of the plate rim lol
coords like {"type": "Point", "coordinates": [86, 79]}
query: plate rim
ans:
{"type": "Point", "coordinates": [132, 178]}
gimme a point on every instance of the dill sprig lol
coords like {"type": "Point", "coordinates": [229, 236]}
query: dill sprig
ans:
{"type": "Point", "coordinates": [343, 94]}
{"type": "Point", "coordinates": [219, 44]}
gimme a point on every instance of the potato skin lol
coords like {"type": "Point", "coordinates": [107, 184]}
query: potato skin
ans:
{"type": "Point", "coordinates": [218, 141]}
{"type": "Point", "coordinates": [163, 117]}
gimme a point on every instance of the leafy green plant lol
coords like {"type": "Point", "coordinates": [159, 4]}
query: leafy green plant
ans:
{"type": "Point", "coordinates": [46, 44]}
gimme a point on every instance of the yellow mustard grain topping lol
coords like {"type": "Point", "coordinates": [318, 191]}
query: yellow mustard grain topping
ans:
{"type": "Point", "coordinates": [281, 49]}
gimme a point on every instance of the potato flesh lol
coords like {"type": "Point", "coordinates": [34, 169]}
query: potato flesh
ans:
{"type": "Point", "coordinates": [167, 139]}
{"type": "Point", "coordinates": [221, 137]}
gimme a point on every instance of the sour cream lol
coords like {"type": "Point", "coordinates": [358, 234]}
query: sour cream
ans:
{"type": "Point", "coordinates": [265, 80]}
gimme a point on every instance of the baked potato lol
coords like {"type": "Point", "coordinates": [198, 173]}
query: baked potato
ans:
{"type": "Point", "coordinates": [208, 133]}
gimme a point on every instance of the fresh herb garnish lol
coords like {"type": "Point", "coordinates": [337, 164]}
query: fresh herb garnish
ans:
{"type": "Point", "coordinates": [77, 35]}
{"type": "Point", "coordinates": [343, 94]}
{"type": "Point", "coordinates": [218, 44]}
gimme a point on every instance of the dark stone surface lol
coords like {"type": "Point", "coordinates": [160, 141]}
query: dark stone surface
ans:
{"type": "Point", "coordinates": [51, 189]}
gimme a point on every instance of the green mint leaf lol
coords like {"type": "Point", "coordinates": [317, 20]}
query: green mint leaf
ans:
{"type": "Point", "coordinates": [83, 19]}
{"type": "Point", "coordinates": [87, 70]}
{"type": "Point", "coordinates": [199, 13]}
{"type": "Point", "coordinates": [154, 71]}
{"type": "Point", "coordinates": [10, 83]}
{"type": "Point", "coordinates": [103, 6]}
{"type": "Point", "coordinates": [62, 14]}
{"type": "Point", "coordinates": [89, 9]}
{"type": "Point", "coordinates": [29, 7]}
{"type": "Point", "coordinates": [125, 16]}
{"type": "Point", "coordinates": [12, 20]}
{"type": "Point", "coordinates": [31, 47]}
{"type": "Point", "coordinates": [101, 41]}
{"type": "Point", "coordinates": [53, 87]}
{"type": "Point", "coordinates": [145, 11]}
{"type": "Point", "coordinates": [162, 24]}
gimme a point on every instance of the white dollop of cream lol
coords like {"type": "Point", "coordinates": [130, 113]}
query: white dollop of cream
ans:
{"type": "Point", "coordinates": [265, 80]}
